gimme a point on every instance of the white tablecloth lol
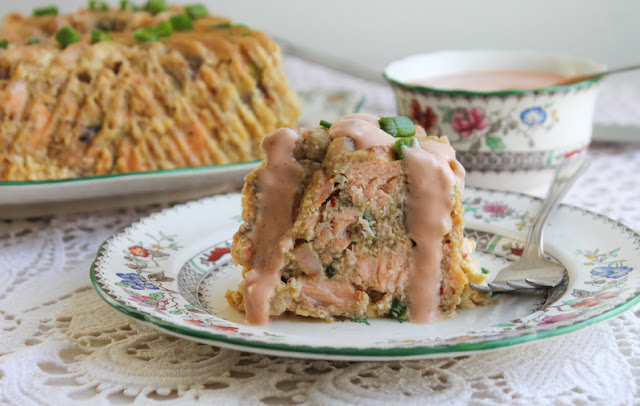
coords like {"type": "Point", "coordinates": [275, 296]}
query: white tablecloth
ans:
{"type": "Point", "coordinates": [60, 344]}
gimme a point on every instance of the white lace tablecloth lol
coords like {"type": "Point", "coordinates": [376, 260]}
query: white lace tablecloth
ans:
{"type": "Point", "coordinates": [60, 344]}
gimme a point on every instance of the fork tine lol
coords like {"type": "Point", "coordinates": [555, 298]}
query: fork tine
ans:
{"type": "Point", "coordinates": [538, 283]}
{"type": "Point", "coordinates": [499, 287]}
{"type": "Point", "coordinates": [481, 288]}
{"type": "Point", "coordinates": [520, 285]}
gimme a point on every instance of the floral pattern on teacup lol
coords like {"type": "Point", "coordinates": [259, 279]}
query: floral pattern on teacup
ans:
{"type": "Point", "coordinates": [492, 128]}
{"type": "Point", "coordinates": [426, 117]}
{"type": "Point", "coordinates": [533, 116]}
{"type": "Point", "coordinates": [467, 121]}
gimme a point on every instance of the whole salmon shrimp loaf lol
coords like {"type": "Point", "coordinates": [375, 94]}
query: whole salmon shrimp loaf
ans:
{"type": "Point", "coordinates": [357, 218]}
{"type": "Point", "coordinates": [128, 89]}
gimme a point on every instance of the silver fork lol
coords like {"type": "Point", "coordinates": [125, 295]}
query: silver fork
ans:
{"type": "Point", "coordinates": [533, 273]}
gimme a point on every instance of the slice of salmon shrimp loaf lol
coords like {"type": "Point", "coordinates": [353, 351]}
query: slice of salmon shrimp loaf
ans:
{"type": "Point", "coordinates": [358, 218]}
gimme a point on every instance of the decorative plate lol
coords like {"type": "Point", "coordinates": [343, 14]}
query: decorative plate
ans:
{"type": "Point", "coordinates": [171, 270]}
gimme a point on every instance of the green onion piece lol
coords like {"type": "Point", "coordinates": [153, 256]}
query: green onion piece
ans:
{"type": "Point", "coordinates": [99, 35]}
{"type": "Point", "coordinates": [125, 5]}
{"type": "Point", "coordinates": [222, 25]}
{"type": "Point", "coordinates": [67, 36]}
{"type": "Point", "coordinates": [164, 29]}
{"type": "Point", "coordinates": [147, 34]}
{"type": "Point", "coordinates": [196, 11]}
{"type": "Point", "coordinates": [485, 270]}
{"type": "Point", "coordinates": [400, 126]}
{"type": "Point", "coordinates": [96, 5]}
{"type": "Point", "coordinates": [181, 22]}
{"type": "Point", "coordinates": [330, 271]}
{"type": "Point", "coordinates": [4, 43]}
{"type": "Point", "coordinates": [156, 6]}
{"type": "Point", "coordinates": [361, 320]}
{"type": "Point", "coordinates": [325, 124]}
{"type": "Point", "coordinates": [398, 311]}
{"type": "Point", "coordinates": [246, 27]}
{"type": "Point", "coordinates": [33, 41]}
{"type": "Point", "coordinates": [45, 11]}
{"type": "Point", "coordinates": [232, 27]}
{"type": "Point", "coordinates": [402, 143]}
{"type": "Point", "coordinates": [360, 104]}
{"type": "Point", "coordinates": [346, 201]}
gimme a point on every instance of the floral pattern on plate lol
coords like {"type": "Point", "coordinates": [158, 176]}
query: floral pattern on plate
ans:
{"type": "Point", "coordinates": [487, 128]}
{"type": "Point", "coordinates": [492, 210]}
{"type": "Point", "coordinates": [188, 269]}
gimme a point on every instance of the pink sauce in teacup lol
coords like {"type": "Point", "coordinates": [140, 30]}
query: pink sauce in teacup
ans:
{"type": "Point", "coordinates": [490, 81]}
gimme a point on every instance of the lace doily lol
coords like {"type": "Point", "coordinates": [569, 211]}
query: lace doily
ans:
{"type": "Point", "coordinates": [60, 344]}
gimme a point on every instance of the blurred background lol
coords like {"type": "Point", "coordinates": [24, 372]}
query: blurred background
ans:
{"type": "Point", "coordinates": [367, 34]}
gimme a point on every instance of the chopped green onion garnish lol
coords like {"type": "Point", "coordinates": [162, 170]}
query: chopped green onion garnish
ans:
{"type": "Point", "coordinates": [196, 11]}
{"type": "Point", "coordinates": [231, 27]}
{"type": "Point", "coordinates": [96, 5]}
{"type": "Point", "coordinates": [361, 320]}
{"type": "Point", "coordinates": [4, 43]}
{"type": "Point", "coordinates": [485, 270]}
{"type": "Point", "coordinates": [330, 271]}
{"type": "Point", "coordinates": [67, 36]}
{"type": "Point", "coordinates": [99, 35]}
{"type": "Point", "coordinates": [164, 29]}
{"type": "Point", "coordinates": [222, 25]}
{"type": "Point", "coordinates": [398, 311]}
{"type": "Point", "coordinates": [45, 11]}
{"type": "Point", "coordinates": [400, 126]}
{"type": "Point", "coordinates": [360, 104]}
{"type": "Point", "coordinates": [125, 5]}
{"type": "Point", "coordinates": [156, 6]}
{"type": "Point", "coordinates": [33, 41]}
{"type": "Point", "coordinates": [403, 142]}
{"type": "Point", "coordinates": [181, 22]}
{"type": "Point", "coordinates": [147, 34]}
{"type": "Point", "coordinates": [325, 124]}
{"type": "Point", "coordinates": [246, 27]}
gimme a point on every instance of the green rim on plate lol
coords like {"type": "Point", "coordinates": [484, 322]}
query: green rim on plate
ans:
{"type": "Point", "coordinates": [194, 169]}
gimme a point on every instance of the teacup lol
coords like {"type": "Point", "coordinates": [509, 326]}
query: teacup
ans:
{"type": "Point", "coordinates": [506, 139]}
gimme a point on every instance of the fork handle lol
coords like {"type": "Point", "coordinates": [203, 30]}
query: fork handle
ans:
{"type": "Point", "coordinates": [563, 178]}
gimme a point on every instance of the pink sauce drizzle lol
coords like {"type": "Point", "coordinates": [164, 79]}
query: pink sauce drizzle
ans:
{"type": "Point", "coordinates": [363, 129]}
{"type": "Point", "coordinates": [278, 182]}
{"type": "Point", "coordinates": [429, 204]}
